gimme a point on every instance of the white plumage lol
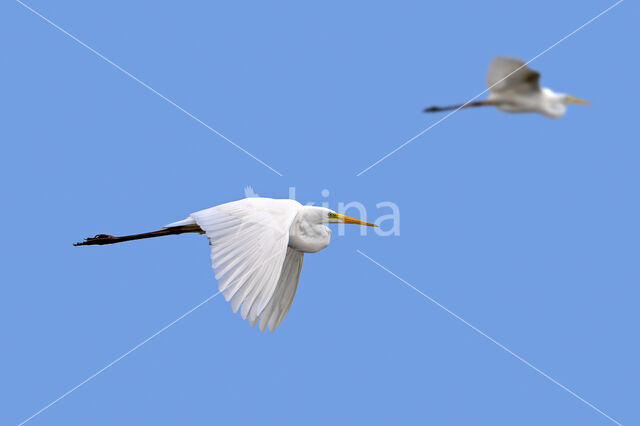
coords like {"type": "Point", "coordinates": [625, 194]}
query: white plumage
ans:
{"type": "Point", "coordinates": [257, 248]}
{"type": "Point", "coordinates": [514, 87]}
{"type": "Point", "coordinates": [249, 240]}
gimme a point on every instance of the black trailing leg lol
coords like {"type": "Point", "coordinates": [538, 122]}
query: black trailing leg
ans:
{"type": "Point", "coordinates": [102, 239]}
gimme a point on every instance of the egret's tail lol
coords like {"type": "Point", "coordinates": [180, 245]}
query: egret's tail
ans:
{"type": "Point", "coordinates": [485, 102]}
{"type": "Point", "coordinates": [102, 239]}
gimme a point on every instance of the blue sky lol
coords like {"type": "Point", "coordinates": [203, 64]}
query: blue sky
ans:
{"type": "Point", "coordinates": [526, 227]}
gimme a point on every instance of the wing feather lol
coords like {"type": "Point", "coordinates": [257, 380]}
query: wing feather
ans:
{"type": "Point", "coordinates": [279, 305]}
{"type": "Point", "coordinates": [249, 245]}
{"type": "Point", "coordinates": [511, 74]}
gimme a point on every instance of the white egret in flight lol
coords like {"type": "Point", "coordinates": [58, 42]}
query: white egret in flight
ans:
{"type": "Point", "coordinates": [257, 245]}
{"type": "Point", "coordinates": [514, 87]}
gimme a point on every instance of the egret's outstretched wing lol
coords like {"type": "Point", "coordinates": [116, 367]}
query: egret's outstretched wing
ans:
{"type": "Point", "coordinates": [511, 74]}
{"type": "Point", "coordinates": [280, 302]}
{"type": "Point", "coordinates": [249, 240]}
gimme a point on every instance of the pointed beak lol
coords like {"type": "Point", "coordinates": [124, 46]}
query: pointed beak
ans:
{"type": "Point", "coordinates": [577, 101]}
{"type": "Point", "coordinates": [340, 218]}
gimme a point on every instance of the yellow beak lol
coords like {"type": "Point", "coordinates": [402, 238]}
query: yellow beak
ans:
{"type": "Point", "coordinates": [577, 101]}
{"type": "Point", "coordinates": [346, 219]}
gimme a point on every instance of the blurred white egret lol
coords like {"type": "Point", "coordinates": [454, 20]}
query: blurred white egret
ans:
{"type": "Point", "coordinates": [257, 245]}
{"type": "Point", "coordinates": [514, 87]}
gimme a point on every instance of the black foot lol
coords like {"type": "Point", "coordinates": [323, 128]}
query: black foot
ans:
{"type": "Point", "coordinates": [97, 240]}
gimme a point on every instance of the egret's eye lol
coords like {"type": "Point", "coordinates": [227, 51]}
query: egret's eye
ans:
{"type": "Point", "coordinates": [333, 215]}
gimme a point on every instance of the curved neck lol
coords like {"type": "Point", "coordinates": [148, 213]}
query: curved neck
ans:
{"type": "Point", "coordinates": [555, 104]}
{"type": "Point", "coordinates": [307, 233]}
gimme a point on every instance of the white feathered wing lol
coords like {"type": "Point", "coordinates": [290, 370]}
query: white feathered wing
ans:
{"type": "Point", "coordinates": [255, 268]}
{"type": "Point", "coordinates": [282, 298]}
{"type": "Point", "coordinates": [512, 75]}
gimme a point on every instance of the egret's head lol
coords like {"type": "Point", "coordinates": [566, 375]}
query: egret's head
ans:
{"type": "Point", "coordinates": [333, 217]}
{"type": "Point", "coordinates": [324, 215]}
{"type": "Point", "coordinates": [554, 104]}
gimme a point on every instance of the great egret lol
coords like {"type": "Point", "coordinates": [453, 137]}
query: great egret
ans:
{"type": "Point", "coordinates": [257, 245]}
{"type": "Point", "coordinates": [514, 87]}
